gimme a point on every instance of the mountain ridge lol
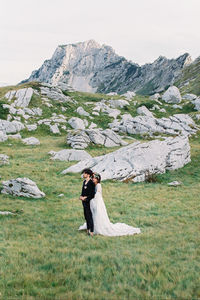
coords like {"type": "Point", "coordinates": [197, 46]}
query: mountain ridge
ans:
{"type": "Point", "coordinates": [91, 67]}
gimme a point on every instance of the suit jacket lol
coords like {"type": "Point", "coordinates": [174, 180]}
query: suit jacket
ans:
{"type": "Point", "coordinates": [88, 190]}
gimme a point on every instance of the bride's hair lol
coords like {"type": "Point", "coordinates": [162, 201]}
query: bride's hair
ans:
{"type": "Point", "coordinates": [97, 176]}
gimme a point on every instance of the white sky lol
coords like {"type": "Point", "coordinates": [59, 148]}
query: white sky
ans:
{"type": "Point", "coordinates": [140, 30]}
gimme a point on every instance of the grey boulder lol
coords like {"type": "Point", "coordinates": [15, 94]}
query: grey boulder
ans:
{"type": "Point", "coordinates": [172, 95]}
{"type": "Point", "coordinates": [139, 160]}
{"type": "Point", "coordinates": [76, 123]}
{"type": "Point", "coordinates": [22, 187]}
{"type": "Point", "coordinates": [31, 141]}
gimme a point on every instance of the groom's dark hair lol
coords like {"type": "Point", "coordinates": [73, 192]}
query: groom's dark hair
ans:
{"type": "Point", "coordinates": [87, 171]}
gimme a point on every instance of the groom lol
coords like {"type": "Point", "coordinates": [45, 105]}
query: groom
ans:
{"type": "Point", "coordinates": [87, 194]}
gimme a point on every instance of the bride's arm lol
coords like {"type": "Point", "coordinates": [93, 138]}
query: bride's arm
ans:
{"type": "Point", "coordinates": [99, 190]}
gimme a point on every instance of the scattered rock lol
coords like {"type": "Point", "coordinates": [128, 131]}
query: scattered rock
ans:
{"type": "Point", "coordinates": [54, 129]}
{"type": "Point", "coordinates": [189, 97]}
{"type": "Point", "coordinates": [163, 110]}
{"type": "Point", "coordinates": [31, 127]}
{"type": "Point", "coordinates": [22, 187]}
{"type": "Point", "coordinates": [81, 139]}
{"type": "Point", "coordinates": [95, 113]}
{"type": "Point", "coordinates": [31, 141]}
{"type": "Point", "coordinates": [70, 155]}
{"type": "Point", "coordinates": [172, 95]}
{"type": "Point", "coordinates": [174, 183]}
{"type": "Point", "coordinates": [177, 106]}
{"type": "Point", "coordinates": [129, 95]}
{"type": "Point", "coordinates": [176, 124]}
{"type": "Point", "coordinates": [4, 159]}
{"type": "Point", "coordinates": [16, 136]}
{"type": "Point", "coordinates": [118, 103]}
{"type": "Point", "coordinates": [5, 213]}
{"type": "Point", "coordinates": [82, 112]}
{"type": "Point", "coordinates": [76, 123]}
{"type": "Point", "coordinates": [92, 125]}
{"type": "Point", "coordinates": [112, 94]}
{"type": "Point", "coordinates": [156, 96]}
{"type": "Point", "coordinates": [139, 160]}
{"type": "Point", "coordinates": [142, 110]}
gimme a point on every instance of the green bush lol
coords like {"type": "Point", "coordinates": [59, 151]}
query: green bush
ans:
{"type": "Point", "coordinates": [3, 111]}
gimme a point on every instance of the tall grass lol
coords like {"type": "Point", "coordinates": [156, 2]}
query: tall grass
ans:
{"type": "Point", "coordinates": [44, 256]}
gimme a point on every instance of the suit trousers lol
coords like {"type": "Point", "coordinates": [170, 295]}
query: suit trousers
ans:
{"type": "Point", "coordinates": [88, 216]}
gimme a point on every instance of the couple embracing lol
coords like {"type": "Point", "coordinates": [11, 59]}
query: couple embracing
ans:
{"type": "Point", "coordinates": [95, 213]}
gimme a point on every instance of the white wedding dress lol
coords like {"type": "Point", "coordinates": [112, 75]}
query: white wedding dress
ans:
{"type": "Point", "coordinates": [102, 224]}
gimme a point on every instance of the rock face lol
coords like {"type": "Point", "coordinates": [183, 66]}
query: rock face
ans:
{"type": "Point", "coordinates": [139, 160]}
{"type": "Point", "coordinates": [23, 97]}
{"type": "Point", "coordinates": [172, 95]}
{"type": "Point", "coordinates": [70, 155]}
{"type": "Point", "coordinates": [82, 139]}
{"type": "Point", "coordinates": [23, 187]}
{"type": "Point", "coordinates": [90, 67]}
{"type": "Point", "coordinates": [174, 125]}
{"type": "Point", "coordinates": [4, 159]}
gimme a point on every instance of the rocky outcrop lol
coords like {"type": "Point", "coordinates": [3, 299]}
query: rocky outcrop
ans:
{"type": "Point", "coordinates": [91, 67]}
{"type": "Point", "coordinates": [54, 93]}
{"type": "Point", "coordinates": [70, 155]}
{"type": "Point", "coordinates": [174, 125]}
{"type": "Point", "coordinates": [22, 187]}
{"type": "Point", "coordinates": [10, 127]}
{"type": "Point", "coordinates": [82, 139]}
{"type": "Point", "coordinates": [137, 161]}
{"type": "Point", "coordinates": [22, 96]}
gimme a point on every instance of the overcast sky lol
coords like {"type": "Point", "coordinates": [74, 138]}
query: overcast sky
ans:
{"type": "Point", "coordinates": [140, 30]}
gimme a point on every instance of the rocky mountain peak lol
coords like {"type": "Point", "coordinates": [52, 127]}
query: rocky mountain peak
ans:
{"type": "Point", "coordinates": [91, 67]}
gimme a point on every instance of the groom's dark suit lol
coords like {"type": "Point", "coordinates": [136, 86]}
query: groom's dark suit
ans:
{"type": "Point", "coordinates": [88, 190]}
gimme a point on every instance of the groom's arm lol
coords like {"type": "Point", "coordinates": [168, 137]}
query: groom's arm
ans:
{"type": "Point", "coordinates": [91, 192]}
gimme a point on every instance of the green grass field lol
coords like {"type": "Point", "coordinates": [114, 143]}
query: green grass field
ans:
{"type": "Point", "coordinates": [44, 256]}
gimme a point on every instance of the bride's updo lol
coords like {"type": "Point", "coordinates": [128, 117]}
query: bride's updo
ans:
{"type": "Point", "coordinates": [97, 176]}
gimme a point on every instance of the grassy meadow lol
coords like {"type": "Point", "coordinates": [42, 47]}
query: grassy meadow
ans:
{"type": "Point", "coordinates": [44, 256]}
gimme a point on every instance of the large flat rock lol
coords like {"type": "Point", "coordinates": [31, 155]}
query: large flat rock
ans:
{"type": "Point", "coordinates": [138, 160]}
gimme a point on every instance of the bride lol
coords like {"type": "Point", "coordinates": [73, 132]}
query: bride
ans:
{"type": "Point", "coordinates": [102, 224]}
